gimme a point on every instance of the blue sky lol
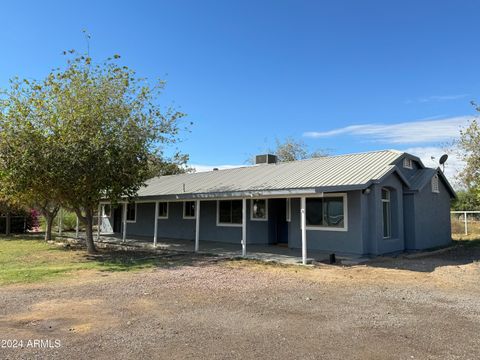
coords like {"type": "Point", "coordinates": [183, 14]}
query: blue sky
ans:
{"type": "Point", "coordinates": [347, 76]}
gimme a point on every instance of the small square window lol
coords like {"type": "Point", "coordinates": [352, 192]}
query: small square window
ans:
{"type": "Point", "coordinates": [259, 209]}
{"type": "Point", "coordinates": [408, 163]}
{"type": "Point", "coordinates": [163, 210]}
{"type": "Point", "coordinates": [107, 210]}
{"type": "Point", "coordinates": [189, 210]}
{"type": "Point", "coordinates": [132, 212]}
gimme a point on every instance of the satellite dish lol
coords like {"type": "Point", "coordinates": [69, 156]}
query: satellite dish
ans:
{"type": "Point", "coordinates": [443, 159]}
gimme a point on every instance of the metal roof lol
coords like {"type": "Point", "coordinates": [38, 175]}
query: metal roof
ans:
{"type": "Point", "coordinates": [330, 173]}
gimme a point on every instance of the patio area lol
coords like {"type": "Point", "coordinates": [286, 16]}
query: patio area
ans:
{"type": "Point", "coordinates": [274, 253]}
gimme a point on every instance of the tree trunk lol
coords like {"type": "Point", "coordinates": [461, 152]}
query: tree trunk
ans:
{"type": "Point", "coordinates": [91, 249]}
{"type": "Point", "coordinates": [8, 223]}
{"type": "Point", "coordinates": [48, 231]}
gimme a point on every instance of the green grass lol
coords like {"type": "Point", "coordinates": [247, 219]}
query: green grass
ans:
{"type": "Point", "coordinates": [33, 260]}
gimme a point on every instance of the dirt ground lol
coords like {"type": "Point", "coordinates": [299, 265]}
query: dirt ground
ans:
{"type": "Point", "coordinates": [418, 308]}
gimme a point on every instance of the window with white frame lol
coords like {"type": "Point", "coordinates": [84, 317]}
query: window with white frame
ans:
{"type": "Point", "coordinates": [229, 212]}
{"type": "Point", "coordinates": [408, 163]}
{"type": "Point", "coordinates": [189, 210]}
{"type": "Point", "coordinates": [435, 186]}
{"type": "Point", "coordinates": [387, 213]}
{"type": "Point", "coordinates": [288, 213]}
{"type": "Point", "coordinates": [326, 212]}
{"type": "Point", "coordinates": [163, 210]}
{"type": "Point", "coordinates": [131, 212]}
{"type": "Point", "coordinates": [259, 209]}
{"type": "Point", "coordinates": [106, 210]}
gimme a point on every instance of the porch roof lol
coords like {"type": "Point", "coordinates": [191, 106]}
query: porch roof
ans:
{"type": "Point", "coordinates": [325, 174]}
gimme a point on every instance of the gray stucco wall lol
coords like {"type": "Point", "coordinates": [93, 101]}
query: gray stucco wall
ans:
{"type": "Point", "coordinates": [347, 242]}
{"type": "Point", "coordinates": [377, 244]}
{"type": "Point", "coordinates": [176, 227]}
{"type": "Point", "coordinates": [432, 218]}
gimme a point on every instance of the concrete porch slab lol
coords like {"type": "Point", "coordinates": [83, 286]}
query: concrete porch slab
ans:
{"type": "Point", "coordinates": [267, 253]}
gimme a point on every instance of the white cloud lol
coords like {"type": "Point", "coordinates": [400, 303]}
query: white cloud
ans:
{"type": "Point", "coordinates": [430, 155]}
{"type": "Point", "coordinates": [421, 131]}
{"type": "Point", "coordinates": [203, 167]}
{"type": "Point", "coordinates": [437, 98]}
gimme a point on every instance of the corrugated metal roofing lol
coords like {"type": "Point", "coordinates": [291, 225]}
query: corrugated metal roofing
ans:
{"type": "Point", "coordinates": [421, 178]}
{"type": "Point", "coordinates": [319, 174]}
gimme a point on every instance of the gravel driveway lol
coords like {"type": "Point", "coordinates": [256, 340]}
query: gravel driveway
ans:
{"type": "Point", "coordinates": [391, 309]}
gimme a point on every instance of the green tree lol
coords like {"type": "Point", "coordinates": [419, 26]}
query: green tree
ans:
{"type": "Point", "coordinates": [291, 149]}
{"type": "Point", "coordinates": [469, 151]}
{"type": "Point", "coordinates": [101, 123]}
{"type": "Point", "coordinates": [467, 200]}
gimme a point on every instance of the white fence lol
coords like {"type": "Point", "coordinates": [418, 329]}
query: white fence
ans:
{"type": "Point", "coordinates": [465, 222]}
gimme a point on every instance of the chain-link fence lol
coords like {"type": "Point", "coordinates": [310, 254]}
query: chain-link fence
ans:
{"type": "Point", "coordinates": [465, 223]}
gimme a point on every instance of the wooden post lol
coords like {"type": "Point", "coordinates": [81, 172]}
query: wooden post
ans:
{"type": "Point", "coordinates": [155, 227]}
{"type": "Point", "coordinates": [244, 227]}
{"type": "Point", "coordinates": [197, 225]}
{"type": "Point", "coordinates": [303, 218]}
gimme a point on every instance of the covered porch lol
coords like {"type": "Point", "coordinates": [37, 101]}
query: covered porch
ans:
{"type": "Point", "coordinates": [235, 226]}
{"type": "Point", "coordinates": [274, 253]}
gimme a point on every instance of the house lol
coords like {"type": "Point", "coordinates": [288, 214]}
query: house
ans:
{"type": "Point", "coordinates": [370, 203]}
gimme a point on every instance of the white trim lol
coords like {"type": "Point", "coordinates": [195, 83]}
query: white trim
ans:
{"type": "Point", "coordinates": [435, 184]}
{"type": "Point", "coordinates": [303, 228]}
{"type": "Point", "coordinates": [388, 201]}
{"type": "Point", "coordinates": [288, 210]}
{"type": "Point", "coordinates": [134, 220]}
{"type": "Point", "coordinates": [197, 225]}
{"type": "Point", "coordinates": [244, 227]}
{"type": "Point", "coordinates": [345, 214]}
{"type": "Point", "coordinates": [266, 210]}
{"type": "Point", "coordinates": [168, 206]}
{"type": "Point", "coordinates": [155, 227]}
{"type": "Point", "coordinates": [183, 211]}
{"type": "Point", "coordinates": [218, 216]}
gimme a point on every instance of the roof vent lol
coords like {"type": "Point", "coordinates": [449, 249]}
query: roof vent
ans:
{"type": "Point", "coordinates": [266, 159]}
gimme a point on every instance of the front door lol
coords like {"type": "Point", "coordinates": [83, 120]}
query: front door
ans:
{"type": "Point", "coordinates": [278, 221]}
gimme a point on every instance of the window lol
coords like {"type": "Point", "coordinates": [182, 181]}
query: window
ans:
{"type": "Point", "coordinates": [131, 212]}
{"type": "Point", "coordinates": [387, 216]}
{"type": "Point", "coordinates": [435, 187]}
{"type": "Point", "coordinates": [288, 214]}
{"type": "Point", "coordinates": [106, 210]}
{"type": "Point", "coordinates": [189, 210]}
{"type": "Point", "coordinates": [259, 209]}
{"type": "Point", "coordinates": [163, 210]}
{"type": "Point", "coordinates": [408, 163]}
{"type": "Point", "coordinates": [326, 212]}
{"type": "Point", "coordinates": [229, 212]}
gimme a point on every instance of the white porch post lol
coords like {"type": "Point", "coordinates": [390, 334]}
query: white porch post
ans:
{"type": "Point", "coordinates": [99, 221]}
{"type": "Point", "coordinates": [77, 225]}
{"type": "Point", "coordinates": [303, 218]}
{"type": "Point", "coordinates": [197, 225]}
{"type": "Point", "coordinates": [155, 228]}
{"type": "Point", "coordinates": [124, 235]}
{"type": "Point", "coordinates": [244, 227]}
